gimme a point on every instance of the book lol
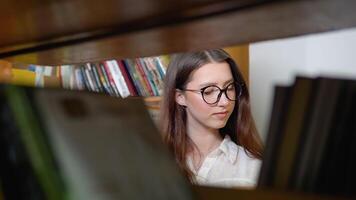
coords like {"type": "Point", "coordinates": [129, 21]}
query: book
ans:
{"type": "Point", "coordinates": [127, 78]}
{"type": "Point", "coordinates": [106, 79]}
{"type": "Point", "coordinates": [119, 79]}
{"type": "Point", "coordinates": [296, 113]}
{"type": "Point", "coordinates": [34, 141]}
{"type": "Point", "coordinates": [85, 78]}
{"type": "Point", "coordinates": [89, 77]}
{"type": "Point", "coordinates": [274, 136]}
{"type": "Point", "coordinates": [315, 150]}
{"type": "Point", "coordinates": [17, 176]}
{"type": "Point", "coordinates": [136, 77]}
{"type": "Point", "coordinates": [96, 77]}
{"type": "Point", "coordinates": [332, 167]}
{"type": "Point", "coordinates": [154, 69]}
{"type": "Point", "coordinates": [150, 75]}
{"type": "Point", "coordinates": [104, 147]}
{"type": "Point", "coordinates": [144, 77]}
{"type": "Point", "coordinates": [111, 79]}
{"type": "Point", "coordinates": [104, 84]}
{"type": "Point", "coordinates": [349, 173]}
{"type": "Point", "coordinates": [22, 77]}
{"type": "Point", "coordinates": [316, 132]}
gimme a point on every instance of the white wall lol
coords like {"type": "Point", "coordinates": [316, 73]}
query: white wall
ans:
{"type": "Point", "coordinates": [279, 61]}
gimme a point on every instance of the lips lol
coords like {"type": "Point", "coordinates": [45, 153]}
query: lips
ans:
{"type": "Point", "coordinates": [221, 115]}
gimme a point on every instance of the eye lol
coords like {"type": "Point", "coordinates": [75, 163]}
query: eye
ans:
{"type": "Point", "coordinates": [231, 87]}
{"type": "Point", "coordinates": [210, 90]}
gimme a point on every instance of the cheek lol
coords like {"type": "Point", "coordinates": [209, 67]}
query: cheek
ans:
{"type": "Point", "coordinates": [198, 106]}
{"type": "Point", "coordinates": [232, 106]}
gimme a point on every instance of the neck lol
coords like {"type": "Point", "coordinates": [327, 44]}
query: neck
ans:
{"type": "Point", "coordinates": [204, 138]}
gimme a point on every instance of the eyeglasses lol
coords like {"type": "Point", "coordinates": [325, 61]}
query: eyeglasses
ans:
{"type": "Point", "coordinates": [212, 94]}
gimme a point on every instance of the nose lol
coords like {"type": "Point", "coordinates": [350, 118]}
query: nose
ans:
{"type": "Point", "coordinates": [223, 101]}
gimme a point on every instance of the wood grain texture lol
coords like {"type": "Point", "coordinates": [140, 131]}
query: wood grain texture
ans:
{"type": "Point", "coordinates": [62, 32]}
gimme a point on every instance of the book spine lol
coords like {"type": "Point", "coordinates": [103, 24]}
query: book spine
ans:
{"type": "Point", "coordinates": [79, 78]}
{"type": "Point", "coordinates": [120, 79]}
{"type": "Point", "coordinates": [161, 68]}
{"type": "Point", "coordinates": [73, 77]}
{"type": "Point", "coordinates": [155, 75]}
{"type": "Point", "coordinates": [127, 78]}
{"type": "Point", "coordinates": [148, 75]}
{"type": "Point", "coordinates": [85, 78]}
{"type": "Point", "coordinates": [65, 76]}
{"type": "Point", "coordinates": [297, 112]}
{"type": "Point", "coordinates": [39, 82]}
{"type": "Point", "coordinates": [115, 78]}
{"type": "Point", "coordinates": [102, 79]}
{"type": "Point", "coordinates": [110, 89]}
{"type": "Point", "coordinates": [137, 77]}
{"type": "Point", "coordinates": [96, 77]}
{"type": "Point", "coordinates": [90, 78]}
{"type": "Point", "coordinates": [111, 79]}
{"type": "Point", "coordinates": [145, 81]}
{"type": "Point", "coordinates": [134, 78]}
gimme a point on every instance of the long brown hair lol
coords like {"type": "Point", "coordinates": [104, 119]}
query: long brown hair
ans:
{"type": "Point", "coordinates": [240, 126]}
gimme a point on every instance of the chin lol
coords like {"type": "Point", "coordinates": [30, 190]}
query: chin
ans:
{"type": "Point", "coordinates": [219, 125]}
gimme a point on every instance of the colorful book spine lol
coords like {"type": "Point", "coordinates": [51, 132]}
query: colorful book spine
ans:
{"type": "Point", "coordinates": [132, 72]}
{"type": "Point", "coordinates": [96, 77]}
{"type": "Point", "coordinates": [149, 76]}
{"type": "Point", "coordinates": [89, 78]}
{"type": "Point", "coordinates": [85, 78]}
{"type": "Point", "coordinates": [107, 81]}
{"type": "Point", "coordinates": [155, 74]}
{"type": "Point", "coordinates": [144, 78]}
{"type": "Point", "coordinates": [102, 79]}
{"type": "Point", "coordinates": [139, 78]}
{"type": "Point", "coordinates": [127, 78]}
{"type": "Point", "coordinates": [119, 79]}
{"type": "Point", "coordinates": [160, 66]}
{"type": "Point", "coordinates": [111, 80]}
{"type": "Point", "coordinates": [93, 77]}
{"type": "Point", "coordinates": [79, 79]}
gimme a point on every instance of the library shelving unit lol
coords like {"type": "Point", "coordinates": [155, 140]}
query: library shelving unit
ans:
{"type": "Point", "coordinates": [77, 31]}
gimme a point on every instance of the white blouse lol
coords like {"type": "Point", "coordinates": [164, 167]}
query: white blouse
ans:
{"type": "Point", "coordinates": [227, 166]}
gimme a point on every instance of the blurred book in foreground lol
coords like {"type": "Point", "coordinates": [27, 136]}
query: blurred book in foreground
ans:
{"type": "Point", "coordinates": [311, 142]}
{"type": "Point", "coordinates": [83, 145]}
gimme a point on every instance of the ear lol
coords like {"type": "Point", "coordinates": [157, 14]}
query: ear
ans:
{"type": "Point", "coordinates": [180, 98]}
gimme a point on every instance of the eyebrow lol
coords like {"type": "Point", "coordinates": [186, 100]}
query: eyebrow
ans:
{"type": "Point", "coordinates": [214, 83]}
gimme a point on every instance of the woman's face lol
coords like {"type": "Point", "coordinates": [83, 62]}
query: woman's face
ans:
{"type": "Point", "coordinates": [199, 113]}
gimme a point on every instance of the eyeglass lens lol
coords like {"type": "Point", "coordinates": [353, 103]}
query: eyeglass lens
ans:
{"type": "Point", "coordinates": [211, 94]}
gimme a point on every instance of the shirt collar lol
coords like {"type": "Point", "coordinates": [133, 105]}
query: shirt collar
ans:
{"type": "Point", "coordinates": [229, 148]}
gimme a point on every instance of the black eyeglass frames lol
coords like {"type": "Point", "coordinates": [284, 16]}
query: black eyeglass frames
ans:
{"type": "Point", "coordinates": [211, 94]}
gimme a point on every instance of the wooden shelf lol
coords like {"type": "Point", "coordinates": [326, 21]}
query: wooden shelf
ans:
{"type": "Point", "coordinates": [76, 31]}
{"type": "Point", "coordinates": [61, 32]}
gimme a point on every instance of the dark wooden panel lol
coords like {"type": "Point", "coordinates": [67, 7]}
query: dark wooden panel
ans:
{"type": "Point", "coordinates": [183, 26]}
{"type": "Point", "coordinates": [26, 22]}
{"type": "Point", "coordinates": [30, 23]}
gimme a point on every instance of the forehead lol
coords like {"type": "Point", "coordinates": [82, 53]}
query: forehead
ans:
{"type": "Point", "coordinates": [212, 73]}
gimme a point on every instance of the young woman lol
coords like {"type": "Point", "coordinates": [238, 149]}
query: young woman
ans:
{"type": "Point", "coordinates": [207, 122]}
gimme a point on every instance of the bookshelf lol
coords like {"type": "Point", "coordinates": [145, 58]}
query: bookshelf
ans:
{"type": "Point", "coordinates": [53, 33]}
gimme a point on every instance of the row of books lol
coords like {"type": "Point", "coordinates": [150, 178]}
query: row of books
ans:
{"type": "Point", "coordinates": [60, 144]}
{"type": "Point", "coordinates": [123, 78]}
{"type": "Point", "coordinates": [311, 144]}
